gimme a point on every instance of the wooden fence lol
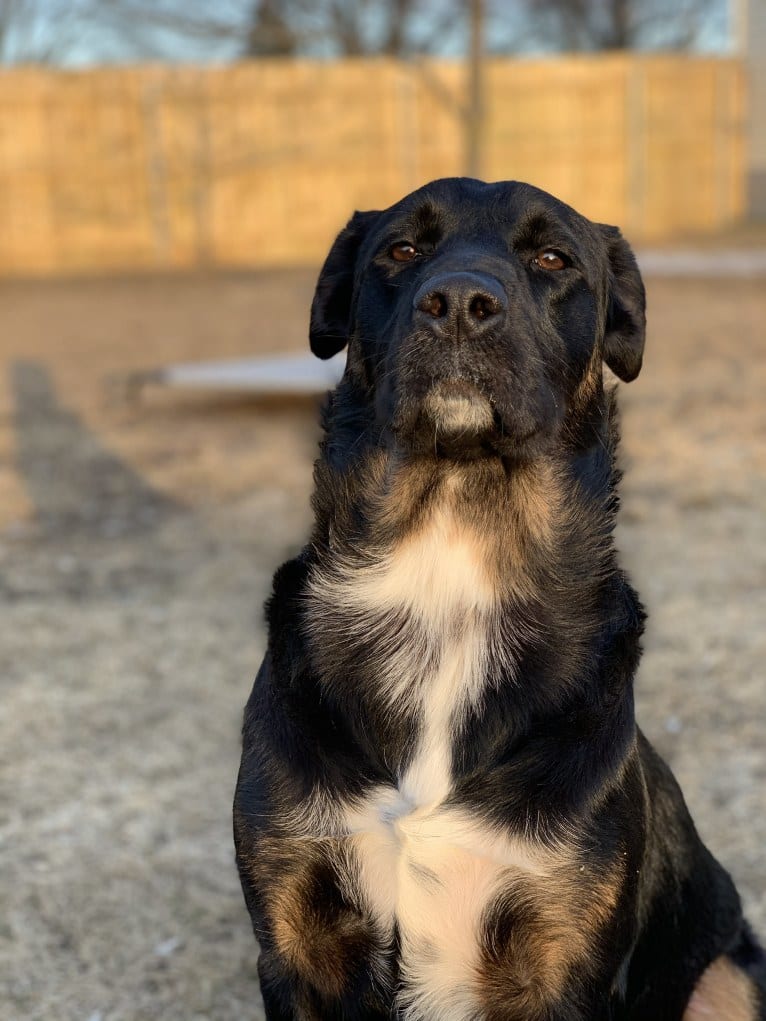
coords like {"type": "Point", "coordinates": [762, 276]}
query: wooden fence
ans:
{"type": "Point", "coordinates": [259, 164]}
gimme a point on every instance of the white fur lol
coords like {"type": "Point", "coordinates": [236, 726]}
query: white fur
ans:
{"type": "Point", "coordinates": [458, 413]}
{"type": "Point", "coordinates": [439, 578]}
{"type": "Point", "coordinates": [429, 868]}
{"type": "Point", "coordinates": [435, 871]}
{"type": "Point", "coordinates": [430, 573]}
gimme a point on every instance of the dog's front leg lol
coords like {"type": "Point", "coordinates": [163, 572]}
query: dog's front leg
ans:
{"type": "Point", "coordinates": [289, 997]}
{"type": "Point", "coordinates": [322, 958]}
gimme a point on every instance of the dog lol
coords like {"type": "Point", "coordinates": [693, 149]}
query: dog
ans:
{"type": "Point", "coordinates": [445, 810]}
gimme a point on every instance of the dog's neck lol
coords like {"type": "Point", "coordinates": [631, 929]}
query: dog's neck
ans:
{"type": "Point", "coordinates": [539, 525]}
{"type": "Point", "coordinates": [440, 584]}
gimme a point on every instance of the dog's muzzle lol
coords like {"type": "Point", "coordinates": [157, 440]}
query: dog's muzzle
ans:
{"type": "Point", "coordinates": [458, 309]}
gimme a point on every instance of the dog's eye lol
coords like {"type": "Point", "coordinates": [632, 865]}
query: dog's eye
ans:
{"type": "Point", "coordinates": [403, 251]}
{"type": "Point", "coordinates": [548, 259]}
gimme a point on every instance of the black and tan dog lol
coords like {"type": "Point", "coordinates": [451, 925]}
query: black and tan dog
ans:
{"type": "Point", "coordinates": [445, 810]}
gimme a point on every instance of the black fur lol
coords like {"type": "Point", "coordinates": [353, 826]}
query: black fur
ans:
{"type": "Point", "coordinates": [552, 747]}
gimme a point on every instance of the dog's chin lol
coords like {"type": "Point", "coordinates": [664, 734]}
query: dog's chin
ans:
{"type": "Point", "coordinates": [458, 408]}
{"type": "Point", "coordinates": [455, 420]}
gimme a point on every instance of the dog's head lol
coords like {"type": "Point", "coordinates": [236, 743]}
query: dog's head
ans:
{"type": "Point", "coordinates": [474, 313]}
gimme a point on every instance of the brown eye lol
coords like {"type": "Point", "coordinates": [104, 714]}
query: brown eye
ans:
{"type": "Point", "coordinates": [549, 259]}
{"type": "Point", "coordinates": [403, 251]}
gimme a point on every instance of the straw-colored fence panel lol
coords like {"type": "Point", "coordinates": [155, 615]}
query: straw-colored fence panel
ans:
{"type": "Point", "coordinates": [260, 163]}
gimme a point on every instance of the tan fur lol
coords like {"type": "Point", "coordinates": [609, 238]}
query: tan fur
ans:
{"type": "Point", "coordinates": [443, 562]}
{"type": "Point", "coordinates": [399, 493]}
{"type": "Point", "coordinates": [551, 929]}
{"type": "Point", "coordinates": [589, 386]}
{"type": "Point", "coordinates": [723, 993]}
{"type": "Point", "coordinates": [538, 500]}
{"type": "Point", "coordinates": [315, 927]}
{"type": "Point", "coordinates": [406, 500]}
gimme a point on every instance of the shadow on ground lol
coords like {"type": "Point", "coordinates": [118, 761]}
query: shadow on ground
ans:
{"type": "Point", "coordinates": [76, 485]}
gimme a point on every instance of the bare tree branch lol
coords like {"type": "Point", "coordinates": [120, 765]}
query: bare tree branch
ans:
{"type": "Point", "coordinates": [616, 24]}
{"type": "Point", "coordinates": [88, 31]}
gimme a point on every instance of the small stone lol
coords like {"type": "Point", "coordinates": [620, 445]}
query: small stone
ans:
{"type": "Point", "coordinates": [167, 947]}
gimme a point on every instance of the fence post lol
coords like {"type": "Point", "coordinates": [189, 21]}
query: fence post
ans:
{"type": "Point", "coordinates": [202, 172]}
{"type": "Point", "coordinates": [635, 148]}
{"type": "Point", "coordinates": [156, 172]}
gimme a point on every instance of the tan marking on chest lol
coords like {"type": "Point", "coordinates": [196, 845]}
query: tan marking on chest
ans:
{"type": "Point", "coordinates": [538, 936]}
{"type": "Point", "coordinates": [317, 927]}
{"type": "Point", "coordinates": [723, 993]}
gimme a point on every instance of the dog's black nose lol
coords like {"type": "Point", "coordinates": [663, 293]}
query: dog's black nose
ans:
{"type": "Point", "coordinates": [459, 304]}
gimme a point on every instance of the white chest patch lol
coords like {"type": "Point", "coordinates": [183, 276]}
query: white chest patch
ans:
{"type": "Point", "coordinates": [429, 869]}
{"type": "Point", "coordinates": [434, 872]}
{"type": "Point", "coordinates": [455, 599]}
{"type": "Point", "coordinates": [439, 578]}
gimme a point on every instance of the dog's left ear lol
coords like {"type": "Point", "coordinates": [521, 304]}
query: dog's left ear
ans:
{"type": "Point", "coordinates": [626, 308]}
{"type": "Point", "coordinates": [331, 307]}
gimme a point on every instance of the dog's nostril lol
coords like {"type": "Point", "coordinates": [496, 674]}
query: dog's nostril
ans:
{"type": "Point", "coordinates": [482, 306]}
{"type": "Point", "coordinates": [435, 304]}
{"type": "Point", "coordinates": [458, 304]}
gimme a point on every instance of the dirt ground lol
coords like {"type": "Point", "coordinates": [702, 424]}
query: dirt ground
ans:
{"type": "Point", "coordinates": [137, 539]}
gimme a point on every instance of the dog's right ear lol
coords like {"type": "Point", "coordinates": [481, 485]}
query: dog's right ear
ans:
{"type": "Point", "coordinates": [331, 308]}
